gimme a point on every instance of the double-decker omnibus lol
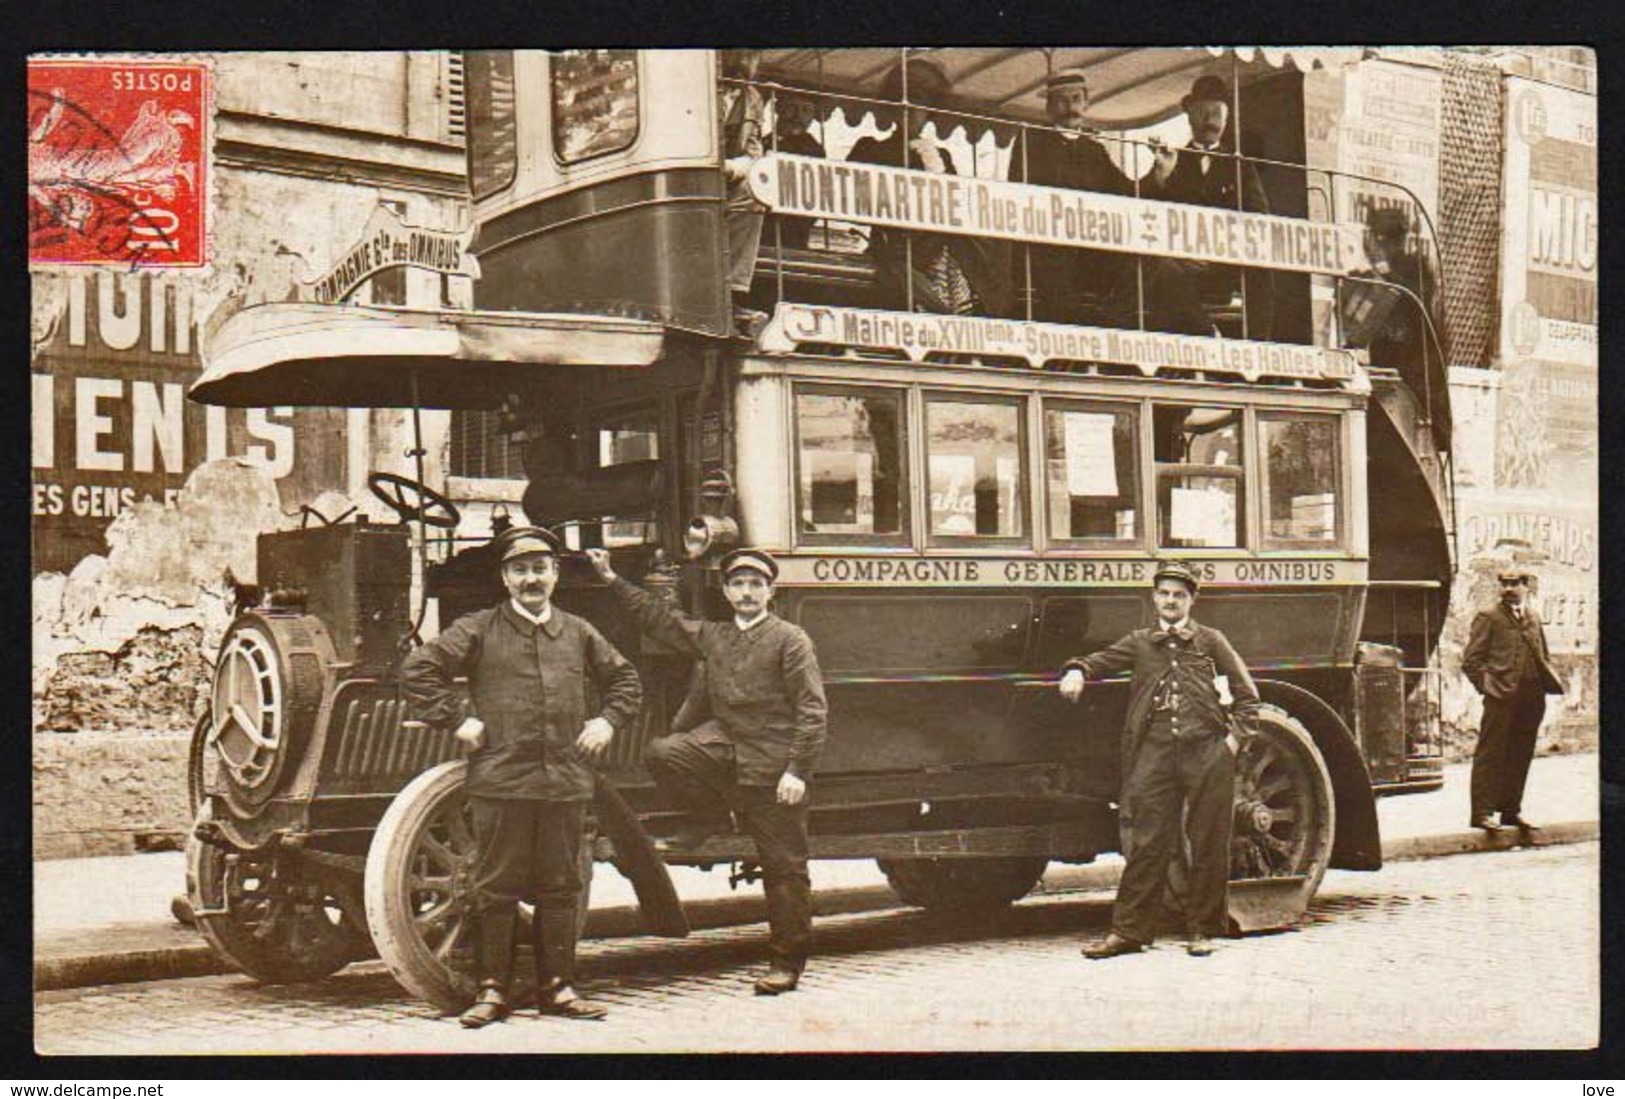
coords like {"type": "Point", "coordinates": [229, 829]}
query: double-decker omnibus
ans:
{"type": "Point", "coordinates": [959, 502]}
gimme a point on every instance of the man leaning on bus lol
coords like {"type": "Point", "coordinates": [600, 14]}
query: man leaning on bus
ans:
{"type": "Point", "coordinates": [1179, 752]}
{"type": "Point", "coordinates": [756, 754]}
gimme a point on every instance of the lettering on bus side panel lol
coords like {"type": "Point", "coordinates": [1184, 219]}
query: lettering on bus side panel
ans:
{"type": "Point", "coordinates": [927, 572]}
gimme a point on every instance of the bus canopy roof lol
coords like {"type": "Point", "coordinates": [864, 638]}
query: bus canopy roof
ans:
{"type": "Point", "coordinates": [1129, 87]}
{"type": "Point", "coordinates": [348, 356]}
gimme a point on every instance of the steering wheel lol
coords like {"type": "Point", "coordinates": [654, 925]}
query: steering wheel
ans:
{"type": "Point", "coordinates": [411, 500]}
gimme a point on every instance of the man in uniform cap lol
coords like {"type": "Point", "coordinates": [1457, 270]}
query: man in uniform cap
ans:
{"type": "Point", "coordinates": [1207, 173]}
{"type": "Point", "coordinates": [759, 748]}
{"type": "Point", "coordinates": [548, 693]}
{"type": "Point", "coordinates": [1507, 662]}
{"type": "Point", "coordinates": [1070, 285]}
{"type": "Point", "coordinates": [1178, 763]}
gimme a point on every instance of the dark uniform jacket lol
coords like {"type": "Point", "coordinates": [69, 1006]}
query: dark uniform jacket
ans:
{"type": "Point", "coordinates": [1194, 660]}
{"type": "Point", "coordinates": [1187, 184]}
{"type": "Point", "coordinates": [1500, 653]}
{"type": "Point", "coordinates": [1081, 164]}
{"type": "Point", "coordinates": [763, 684]}
{"type": "Point", "coordinates": [534, 687]}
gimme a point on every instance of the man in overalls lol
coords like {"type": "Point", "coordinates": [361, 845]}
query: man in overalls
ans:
{"type": "Point", "coordinates": [1179, 752]}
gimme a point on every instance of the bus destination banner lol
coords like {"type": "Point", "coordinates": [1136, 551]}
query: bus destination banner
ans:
{"type": "Point", "coordinates": [1027, 572]}
{"type": "Point", "coordinates": [910, 199]}
{"type": "Point", "coordinates": [920, 334]}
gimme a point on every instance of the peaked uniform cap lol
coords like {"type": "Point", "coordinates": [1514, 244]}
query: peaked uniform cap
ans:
{"type": "Point", "coordinates": [758, 560]}
{"type": "Point", "coordinates": [1177, 570]}
{"type": "Point", "coordinates": [519, 541]}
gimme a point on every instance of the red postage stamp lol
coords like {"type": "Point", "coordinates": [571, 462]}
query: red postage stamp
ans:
{"type": "Point", "coordinates": [118, 162]}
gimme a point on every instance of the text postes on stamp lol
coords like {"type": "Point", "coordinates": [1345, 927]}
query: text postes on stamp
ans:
{"type": "Point", "coordinates": [118, 162]}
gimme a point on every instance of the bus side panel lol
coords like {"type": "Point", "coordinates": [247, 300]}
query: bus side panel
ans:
{"type": "Point", "coordinates": [649, 246]}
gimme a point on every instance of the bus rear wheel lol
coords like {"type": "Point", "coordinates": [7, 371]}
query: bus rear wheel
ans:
{"type": "Point", "coordinates": [963, 886]}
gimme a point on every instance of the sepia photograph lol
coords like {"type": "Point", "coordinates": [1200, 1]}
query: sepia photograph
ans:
{"type": "Point", "coordinates": [850, 549]}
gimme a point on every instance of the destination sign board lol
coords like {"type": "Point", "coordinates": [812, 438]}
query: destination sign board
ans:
{"type": "Point", "coordinates": [934, 202]}
{"type": "Point", "coordinates": [920, 334]}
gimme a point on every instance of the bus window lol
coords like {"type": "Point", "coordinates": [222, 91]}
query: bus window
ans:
{"type": "Point", "coordinates": [1199, 476]}
{"type": "Point", "coordinates": [1091, 457]}
{"type": "Point", "coordinates": [629, 437]}
{"type": "Point", "coordinates": [1300, 480]}
{"type": "Point", "coordinates": [849, 460]}
{"type": "Point", "coordinates": [493, 148]}
{"type": "Point", "coordinates": [973, 457]}
{"type": "Point", "coordinates": [595, 103]}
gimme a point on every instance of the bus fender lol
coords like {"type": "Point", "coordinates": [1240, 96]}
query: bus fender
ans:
{"type": "Point", "coordinates": [1357, 844]}
{"type": "Point", "coordinates": [637, 859]}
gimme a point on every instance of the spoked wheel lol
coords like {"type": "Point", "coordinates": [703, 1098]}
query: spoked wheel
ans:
{"type": "Point", "coordinates": [1285, 822]}
{"type": "Point", "coordinates": [419, 888]}
{"type": "Point", "coordinates": [275, 917]}
{"type": "Point", "coordinates": [963, 886]}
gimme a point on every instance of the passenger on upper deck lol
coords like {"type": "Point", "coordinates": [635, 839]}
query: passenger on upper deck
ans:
{"type": "Point", "coordinates": [950, 274]}
{"type": "Point", "coordinates": [1207, 172]}
{"type": "Point", "coordinates": [792, 116]}
{"type": "Point", "coordinates": [742, 110]}
{"type": "Point", "coordinates": [1397, 341]}
{"type": "Point", "coordinates": [1071, 285]}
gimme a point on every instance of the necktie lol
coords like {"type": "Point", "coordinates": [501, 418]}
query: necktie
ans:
{"type": "Point", "coordinates": [1161, 637]}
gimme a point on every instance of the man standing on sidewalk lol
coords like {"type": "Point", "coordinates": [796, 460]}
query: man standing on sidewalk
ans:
{"type": "Point", "coordinates": [1179, 752]}
{"type": "Point", "coordinates": [760, 747]}
{"type": "Point", "coordinates": [1507, 662]}
{"type": "Point", "coordinates": [549, 693]}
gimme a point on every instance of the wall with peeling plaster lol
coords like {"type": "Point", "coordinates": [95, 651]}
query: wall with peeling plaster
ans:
{"type": "Point", "coordinates": [124, 640]}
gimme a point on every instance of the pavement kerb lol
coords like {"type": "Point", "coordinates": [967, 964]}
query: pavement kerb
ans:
{"type": "Point", "coordinates": [142, 962]}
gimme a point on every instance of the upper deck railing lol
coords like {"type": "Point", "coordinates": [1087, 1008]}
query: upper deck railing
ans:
{"type": "Point", "coordinates": [1386, 301]}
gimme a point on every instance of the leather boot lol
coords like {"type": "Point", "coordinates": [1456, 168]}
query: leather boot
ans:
{"type": "Point", "coordinates": [556, 966]}
{"type": "Point", "coordinates": [789, 922]}
{"type": "Point", "coordinates": [493, 953]}
{"type": "Point", "coordinates": [783, 975]}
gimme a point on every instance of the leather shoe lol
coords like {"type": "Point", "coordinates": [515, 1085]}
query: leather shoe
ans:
{"type": "Point", "coordinates": [565, 1001]}
{"type": "Point", "coordinates": [1111, 946]}
{"type": "Point", "coordinates": [1486, 823]}
{"type": "Point", "coordinates": [781, 977]}
{"type": "Point", "coordinates": [1513, 820]}
{"type": "Point", "coordinates": [1199, 946]}
{"type": "Point", "coordinates": [490, 1006]}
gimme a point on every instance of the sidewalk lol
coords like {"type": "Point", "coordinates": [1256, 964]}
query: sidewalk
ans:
{"type": "Point", "coordinates": [107, 920]}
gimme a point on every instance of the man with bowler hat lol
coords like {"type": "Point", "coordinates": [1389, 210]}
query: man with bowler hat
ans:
{"type": "Point", "coordinates": [1207, 172]}
{"type": "Point", "coordinates": [548, 694]}
{"type": "Point", "coordinates": [1178, 751]}
{"type": "Point", "coordinates": [1507, 662]}
{"type": "Point", "coordinates": [760, 746]}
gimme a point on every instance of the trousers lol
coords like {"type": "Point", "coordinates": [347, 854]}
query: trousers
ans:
{"type": "Point", "coordinates": [1505, 748]}
{"type": "Point", "coordinates": [1179, 795]}
{"type": "Point", "coordinates": [526, 850]}
{"type": "Point", "coordinates": [698, 771]}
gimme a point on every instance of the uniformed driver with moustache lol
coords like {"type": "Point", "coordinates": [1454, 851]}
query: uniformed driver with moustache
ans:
{"type": "Point", "coordinates": [549, 693]}
{"type": "Point", "coordinates": [760, 747]}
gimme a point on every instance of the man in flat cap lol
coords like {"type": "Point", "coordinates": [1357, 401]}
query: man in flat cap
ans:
{"type": "Point", "coordinates": [1507, 662]}
{"type": "Point", "coordinates": [1071, 285]}
{"type": "Point", "coordinates": [1207, 172]}
{"type": "Point", "coordinates": [548, 694]}
{"type": "Point", "coordinates": [757, 752]}
{"type": "Point", "coordinates": [1178, 752]}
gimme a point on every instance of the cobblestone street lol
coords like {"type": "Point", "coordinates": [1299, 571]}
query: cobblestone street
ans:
{"type": "Point", "coordinates": [1445, 953]}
